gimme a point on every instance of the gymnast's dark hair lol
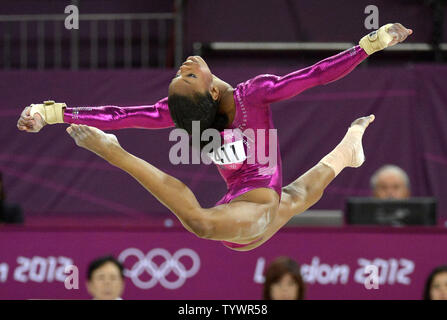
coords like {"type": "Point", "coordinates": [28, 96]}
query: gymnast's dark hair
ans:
{"type": "Point", "coordinates": [200, 107]}
{"type": "Point", "coordinates": [429, 282]}
{"type": "Point", "coordinates": [99, 262]}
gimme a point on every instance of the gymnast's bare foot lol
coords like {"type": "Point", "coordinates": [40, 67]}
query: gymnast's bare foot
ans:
{"type": "Point", "coordinates": [349, 152]}
{"type": "Point", "coordinates": [103, 144]}
{"type": "Point", "coordinates": [353, 141]}
{"type": "Point", "coordinates": [363, 121]}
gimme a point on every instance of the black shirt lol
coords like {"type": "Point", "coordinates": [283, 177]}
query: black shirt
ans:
{"type": "Point", "coordinates": [10, 213]}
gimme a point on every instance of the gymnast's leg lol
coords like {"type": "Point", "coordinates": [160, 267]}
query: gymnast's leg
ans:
{"type": "Point", "coordinates": [305, 191]}
{"type": "Point", "coordinates": [308, 188]}
{"type": "Point", "coordinates": [244, 219]}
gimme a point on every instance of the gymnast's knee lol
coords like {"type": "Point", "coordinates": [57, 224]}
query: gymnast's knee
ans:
{"type": "Point", "coordinates": [297, 194]}
{"type": "Point", "coordinates": [202, 228]}
{"type": "Point", "coordinates": [301, 198]}
{"type": "Point", "coordinates": [294, 199]}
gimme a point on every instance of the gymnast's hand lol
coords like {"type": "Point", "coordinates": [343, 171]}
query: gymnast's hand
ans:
{"type": "Point", "coordinates": [28, 123]}
{"type": "Point", "coordinates": [97, 141]}
{"type": "Point", "coordinates": [399, 33]}
{"type": "Point", "coordinates": [386, 36]}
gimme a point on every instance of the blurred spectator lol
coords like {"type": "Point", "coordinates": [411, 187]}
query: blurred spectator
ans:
{"type": "Point", "coordinates": [390, 182]}
{"type": "Point", "coordinates": [9, 213]}
{"type": "Point", "coordinates": [283, 280]}
{"type": "Point", "coordinates": [105, 279]}
{"type": "Point", "coordinates": [436, 285]}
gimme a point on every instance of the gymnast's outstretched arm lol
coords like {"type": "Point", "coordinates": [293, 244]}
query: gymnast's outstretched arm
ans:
{"type": "Point", "coordinates": [267, 88]}
{"type": "Point", "coordinates": [107, 117]}
{"type": "Point", "coordinates": [155, 116]}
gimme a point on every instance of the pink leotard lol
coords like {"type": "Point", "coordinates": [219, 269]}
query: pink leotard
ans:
{"type": "Point", "coordinates": [252, 100]}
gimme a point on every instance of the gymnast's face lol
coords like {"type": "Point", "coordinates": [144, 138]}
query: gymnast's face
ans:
{"type": "Point", "coordinates": [194, 76]}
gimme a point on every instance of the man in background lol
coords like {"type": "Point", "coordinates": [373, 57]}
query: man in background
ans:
{"type": "Point", "coordinates": [105, 279]}
{"type": "Point", "coordinates": [390, 182]}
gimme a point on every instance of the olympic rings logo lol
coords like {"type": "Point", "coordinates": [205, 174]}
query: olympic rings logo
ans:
{"type": "Point", "coordinates": [158, 273]}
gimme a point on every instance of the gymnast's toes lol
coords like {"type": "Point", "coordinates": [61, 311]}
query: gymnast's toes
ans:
{"type": "Point", "coordinates": [363, 121]}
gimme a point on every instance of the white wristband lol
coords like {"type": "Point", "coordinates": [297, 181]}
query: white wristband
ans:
{"type": "Point", "coordinates": [376, 40]}
{"type": "Point", "coordinates": [50, 111]}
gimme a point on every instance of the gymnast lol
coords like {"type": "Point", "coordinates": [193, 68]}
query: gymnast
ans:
{"type": "Point", "coordinates": [256, 204]}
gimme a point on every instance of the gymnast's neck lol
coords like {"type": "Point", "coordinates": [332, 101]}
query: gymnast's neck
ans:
{"type": "Point", "coordinates": [226, 100]}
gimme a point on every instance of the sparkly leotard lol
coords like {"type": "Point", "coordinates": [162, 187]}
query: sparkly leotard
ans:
{"type": "Point", "coordinates": [252, 100]}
